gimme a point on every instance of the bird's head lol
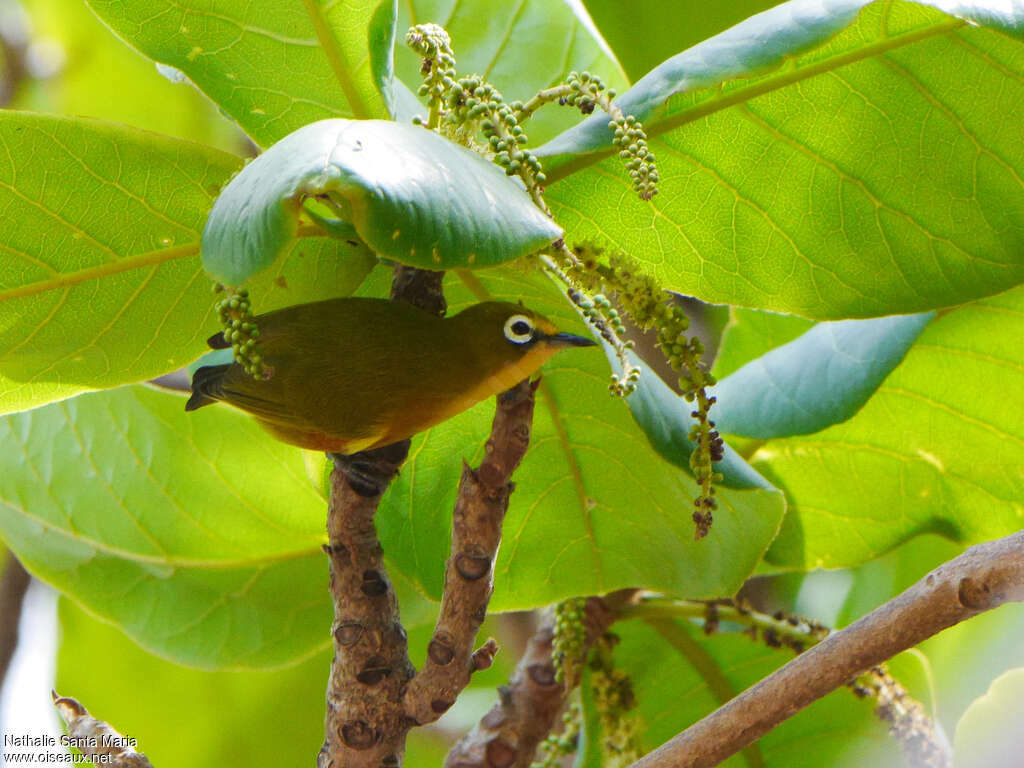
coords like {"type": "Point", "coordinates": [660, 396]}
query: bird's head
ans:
{"type": "Point", "coordinates": [513, 336]}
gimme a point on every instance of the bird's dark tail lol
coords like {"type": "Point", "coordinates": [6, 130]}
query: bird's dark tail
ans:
{"type": "Point", "coordinates": [207, 386]}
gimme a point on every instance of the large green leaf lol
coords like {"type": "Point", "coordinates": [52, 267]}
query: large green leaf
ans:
{"type": "Point", "coordinates": [411, 195]}
{"type": "Point", "coordinates": [819, 379]}
{"type": "Point", "coordinates": [590, 494]}
{"type": "Point", "coordinates": [272, 67]}
{"type": "Point", "coordinates": [195, 533]}
{"type": "Point", "coordinates": [100, 281]}
{"type": "Point", "coordinates": [840, 159]}
{"type": "Point", "coordinates": [939, 448]}
{"type": "Point", "coordinates": [520, 47]}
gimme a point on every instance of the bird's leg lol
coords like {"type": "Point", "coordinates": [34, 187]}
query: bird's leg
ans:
{"type": "Point", "coordinates": [370, 472]}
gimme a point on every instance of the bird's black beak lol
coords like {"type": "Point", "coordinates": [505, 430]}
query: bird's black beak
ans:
{"type": "Point", "coordinates": [569, 340]}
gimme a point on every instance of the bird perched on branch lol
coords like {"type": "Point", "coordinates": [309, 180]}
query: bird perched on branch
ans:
{"type": "Point", "coordinates": [353, 374]}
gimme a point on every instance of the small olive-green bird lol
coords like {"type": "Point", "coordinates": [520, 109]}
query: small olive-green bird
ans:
{"type": "Point", "coordinates": [353, 374]}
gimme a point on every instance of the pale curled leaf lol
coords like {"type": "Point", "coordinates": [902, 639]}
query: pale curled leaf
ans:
{"type": "Point", "coordinates": [819, 379]}
{"type": "Point", "coordinates": [412, 196]}
{"type": "Point", "coordinates": [988, 735]}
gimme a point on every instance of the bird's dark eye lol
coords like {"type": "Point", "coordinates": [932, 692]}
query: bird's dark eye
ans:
{"type": "Point", "coordinates": [519, 329]}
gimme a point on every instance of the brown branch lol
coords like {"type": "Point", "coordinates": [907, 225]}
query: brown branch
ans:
{"type": "Point", "coordinates": [13, 585]}
{"type": "Point", "coordinates": [469, 574]}
{"type": "Point", "coordinates": [508, 735]}
{"type": "Point", "coordinates": [97, 739]}
{"type": "Point", "coordinates": [982, 578]}
{"type": "Point", "coordinates": [365, 723]}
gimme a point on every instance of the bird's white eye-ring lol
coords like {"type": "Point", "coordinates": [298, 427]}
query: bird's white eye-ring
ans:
{"type": "Point", "coordinates": [519, 329]}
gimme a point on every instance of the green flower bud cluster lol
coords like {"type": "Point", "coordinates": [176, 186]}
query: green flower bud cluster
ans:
{"type": "Point", "coordinates": [613, 695]}
{"type": "Point", "coordinates": [587, 90]}
{"type": "Point", "coordinates": [433, 45]}
{"type": "Point", "coordinates": [461, 108]}
{"type": "Point", "coordinates": [568, 646]}
{"type": "Point", "coordinates": [472, 100]}
{"type": "Point", "coordinates": [631, 139]}
{"type": "Point", "coordinates": [558, 745]}
{"type": "Point", "coordinates": [240, 331]}
{"type": "Point", "coordinates": [640, 296]}
{"type": "Point", "coordinates": [584, 91]}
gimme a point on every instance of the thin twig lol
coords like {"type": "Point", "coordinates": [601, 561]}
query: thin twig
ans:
{"type": "Point", "coordinates": [469, 575]}
{"type": "Point", "coordinates": [364, 724]}
{"type": "Point", "coordinates": [982, 578]}
{"type": "Point", "coordinates": [98, 740]}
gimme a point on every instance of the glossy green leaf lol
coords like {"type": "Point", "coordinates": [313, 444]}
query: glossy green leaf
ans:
{"type": "Point", "coordinates": [194, 532]}
{"type": "Point", "coordinates": [520, 47]}
{"type": "Point", "coordinates": [749, 333]}
{"type": "Point", "coordinates": [412, 196]}
{"type": "Point", "coordinates": [819, 379]}
{"type": "Point", "coordinates": [833, 160]}
{"type": "Point", "coordinates": [590, 493]}
{"type": "Point", "coordinates": [100, 281]}
{"type": "Point", "coordinates": [989, 735]}
{"type": "Point", "coordinates": [939, 448]}
{"type": "Point", "coordinates": [271, 67]}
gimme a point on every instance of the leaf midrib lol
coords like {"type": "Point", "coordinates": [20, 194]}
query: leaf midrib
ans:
{"type": "Point", "coordinates": [171, 561]}
{"type": "Point", "coordinates": [63, 280]}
